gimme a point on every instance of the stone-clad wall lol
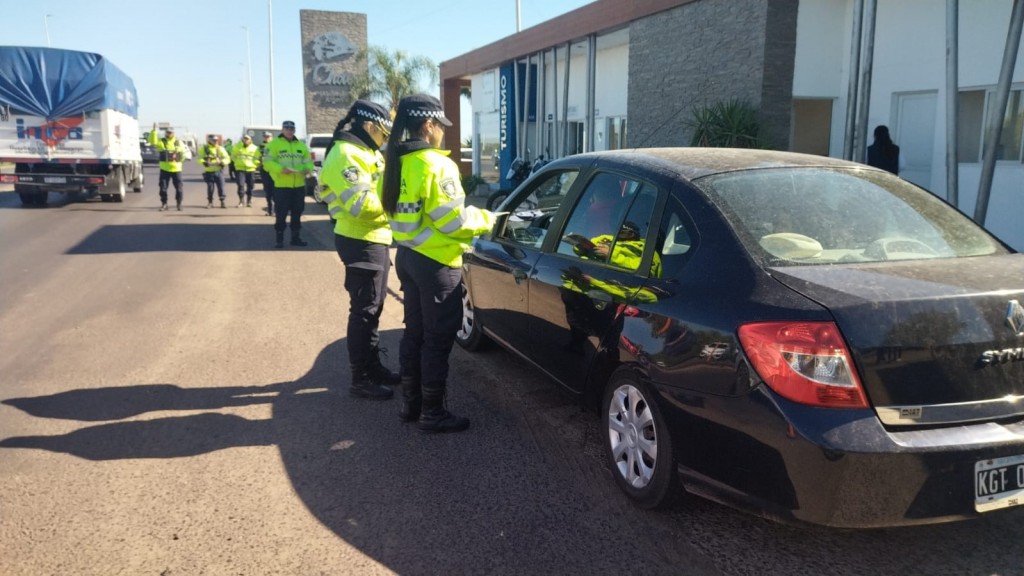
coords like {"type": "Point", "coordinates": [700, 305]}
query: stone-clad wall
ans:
{"type": "Point", "coordinates": [330, 41]}
{"type": "Point", "coordinates": [705, 52]}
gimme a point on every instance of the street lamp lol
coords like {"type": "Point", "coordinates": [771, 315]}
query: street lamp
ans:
{"type": "Point", "coordinates": [248, 56]}
{"type": "Point", "coordinates": [46, 24]}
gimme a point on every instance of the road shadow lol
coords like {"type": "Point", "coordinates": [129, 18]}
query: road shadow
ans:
{"type": "Point", "coordinates": [487, 501]}
{"type": "Point", "coordinates": [191, 237]}
{"type": "Point", "coordinates": [522, 492]}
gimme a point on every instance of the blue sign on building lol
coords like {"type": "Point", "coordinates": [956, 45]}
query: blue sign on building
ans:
{"type": "Point", "coordinates": [508, 107]}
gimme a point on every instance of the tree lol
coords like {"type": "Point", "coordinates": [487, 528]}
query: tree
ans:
{"type": "Point", "coordinates": [391, 76]}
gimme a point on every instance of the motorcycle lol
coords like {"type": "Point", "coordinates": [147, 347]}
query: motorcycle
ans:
{"type": "Point", "coordinates": [518, 172]}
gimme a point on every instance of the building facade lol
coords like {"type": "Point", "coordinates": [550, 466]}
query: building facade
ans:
{"type": "Point", "coordinates": [613, 75]}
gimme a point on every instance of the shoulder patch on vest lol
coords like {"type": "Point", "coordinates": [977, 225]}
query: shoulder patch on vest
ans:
{"type": "Point", "coordinates": [351, 174]}
{"type": "Point", "coordinates": [448, 187]}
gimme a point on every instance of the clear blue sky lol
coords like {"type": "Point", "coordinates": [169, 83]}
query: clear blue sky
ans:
{"type": "Point", "coordinates": [188, 57]}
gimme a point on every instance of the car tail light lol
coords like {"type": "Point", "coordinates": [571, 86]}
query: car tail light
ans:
{"type": "Point", "coordinates": [806, 362]}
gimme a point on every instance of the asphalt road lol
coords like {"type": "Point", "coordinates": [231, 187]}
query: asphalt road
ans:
{"type": "Point", "coordinates": [172, 401]}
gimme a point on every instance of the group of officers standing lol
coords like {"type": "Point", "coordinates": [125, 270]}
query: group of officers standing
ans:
{"type": "Point", "coordinates": [410, 196]}
{"type": "Point", "coordinates": [283, 164]}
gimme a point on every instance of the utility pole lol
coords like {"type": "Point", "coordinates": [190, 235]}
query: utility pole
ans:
{"type": "Point", "coordinates": [270, 27]}
{"type": "Point", "coordinates": [519, 19]}
{"type": "Point", "coordinates": [248, 56]}
{"type": "Point", "coordinates": [46, 24]}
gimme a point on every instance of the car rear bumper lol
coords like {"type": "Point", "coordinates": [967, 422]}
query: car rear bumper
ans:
{"type": "Point", "coordinates": [840, 468]}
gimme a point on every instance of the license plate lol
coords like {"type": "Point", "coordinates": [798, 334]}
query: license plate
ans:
{"type": "Point", "coordinates": [998, 483]}
{"type": "Point", "coordinates": [55, 179]}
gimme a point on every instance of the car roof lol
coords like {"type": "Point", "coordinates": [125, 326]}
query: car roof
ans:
{"type": "Point", "coordinates": [695, 162]}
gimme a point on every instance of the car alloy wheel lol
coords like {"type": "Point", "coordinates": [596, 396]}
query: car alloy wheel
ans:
{"type": "Point", "coordinates": [469, 335]}
{"type": "Point", "coordinates": [639, 447]}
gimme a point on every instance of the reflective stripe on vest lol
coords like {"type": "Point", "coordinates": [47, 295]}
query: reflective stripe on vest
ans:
{"type": "Point", "coordinates": [328, 196]}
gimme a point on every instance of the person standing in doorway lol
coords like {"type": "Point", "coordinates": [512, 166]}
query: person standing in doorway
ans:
{"type": "Point", "coordinates": [246, 159]}
{"type": "Point", "coordinates": [351, 168]}
{"type": "Point", "coordinates": [423, 197]}
{"type": "Point", "coordinates": [288, 162]}
{"type": "Point", "coordinates": [213, 157]}
{"type": "Point", "coordinates": [884, 153]}
{"type": "Point", "coordinates": [172, 154]}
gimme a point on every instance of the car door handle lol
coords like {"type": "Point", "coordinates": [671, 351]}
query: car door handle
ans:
{"type": "Point", "coordinates": [518, 275]}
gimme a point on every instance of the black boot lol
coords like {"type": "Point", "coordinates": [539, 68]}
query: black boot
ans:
{"type": "Point", "coordinates": [296, 241]}
{"type": "Point", "coordinates": [280, 240]}
{"type": "Point", "coordinates": [411, 399]}
{"type": "Point", "coordinates": [378, 371]}
{"type": "Point", "coordinates": [433, 416]}
{"type": "Point", "coordinates": [364, 387]}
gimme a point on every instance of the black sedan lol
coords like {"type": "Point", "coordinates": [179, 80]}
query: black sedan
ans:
{"type": "Point", "coordinates": [149, 153]}
{"type": "Point", "coordinates": [807, 338]}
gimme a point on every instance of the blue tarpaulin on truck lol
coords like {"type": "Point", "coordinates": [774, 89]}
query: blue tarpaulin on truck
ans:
{"type": "Point", "coordinates": [56, 83]}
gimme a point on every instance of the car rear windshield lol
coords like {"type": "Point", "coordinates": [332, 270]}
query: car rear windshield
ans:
{"type": "Point", "coordinates": [319, 141]}
{"type": "Point", "coordinates": [813, 215]}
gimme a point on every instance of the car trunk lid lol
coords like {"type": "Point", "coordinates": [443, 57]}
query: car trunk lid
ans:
{"type": "Point", "coordinates": [935, 341]}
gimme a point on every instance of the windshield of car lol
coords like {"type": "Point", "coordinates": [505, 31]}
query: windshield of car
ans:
{"type": "Point", "coordinates": [792, 216]}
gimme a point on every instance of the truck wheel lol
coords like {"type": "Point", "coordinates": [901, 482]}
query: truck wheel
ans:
{"type": "Point", "coordinates": [118, 196]}
{"type": "Point", "coordinates": [27, 198]}
{"type": "Point", "coordinates": [139, 182]}
{"type": "Point", "coordinates": [117, 189]}
{"type": "Point", "coordinates": [41, 198]}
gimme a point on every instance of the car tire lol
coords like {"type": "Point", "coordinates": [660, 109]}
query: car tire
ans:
{"type": "Point", "coordinates": [470, 335]}
{"type": "Point", "coordinates": [637, 444]}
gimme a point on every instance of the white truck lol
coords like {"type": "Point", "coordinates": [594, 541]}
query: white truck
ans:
{"type": "Point", "coordinates": [317, 144]}
{"type": "Point", "coordinates": [69, 123]}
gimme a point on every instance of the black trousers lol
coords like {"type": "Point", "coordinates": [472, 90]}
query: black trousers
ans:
{"type": "Point", "coordinates": [268, 188]}
{"type": "Point", "coordinates": [214, 179]}
{"type": "Point", "coordinates": [246, 178]}
{"type": "Point", "coordinates": [289, 200]}
{"type": "Point", "coordinates": [165, 179]}
{"type": "Point", "coordinates": [433, 314]}
{"type": "Point", "coordinates": [367, 265]}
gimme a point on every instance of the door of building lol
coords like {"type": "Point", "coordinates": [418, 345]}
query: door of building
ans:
{"type": "Point", "coordinates": [915, 135]}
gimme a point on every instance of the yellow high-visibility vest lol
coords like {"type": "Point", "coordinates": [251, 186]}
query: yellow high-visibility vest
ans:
{"type": "Point", "coordinates": [349, 177]}
{"type": "Point", "coordinates": [431, 216]}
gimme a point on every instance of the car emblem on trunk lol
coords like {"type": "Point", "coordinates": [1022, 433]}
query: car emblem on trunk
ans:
{"type": "Point", "coordinates": [1015, 317]}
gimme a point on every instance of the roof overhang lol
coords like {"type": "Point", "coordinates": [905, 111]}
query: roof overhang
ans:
{"type": "Point", "coordinates": [592, 18]}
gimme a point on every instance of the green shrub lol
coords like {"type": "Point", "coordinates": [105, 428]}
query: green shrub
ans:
{"type": "Point", "coordinates": [730, 123]}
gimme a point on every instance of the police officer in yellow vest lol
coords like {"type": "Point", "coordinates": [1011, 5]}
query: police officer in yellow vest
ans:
{"type": "Point", "coordinates": [351, 168]}
{"type": "Point", "coordinates": [245, 157]}
{"type": "Point", "coordinates": [172, 153]}
{"type": "Point", "coordinates": [288, 162]}
{"type": "Point", "coordinates": [213, 158]}
{"type": "Point", "coordinates": [423, 197]}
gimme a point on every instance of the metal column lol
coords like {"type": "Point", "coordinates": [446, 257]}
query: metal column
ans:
{"type": "Point", "coordinates": [995, 119]}
{"type": "Point", "coordinates": [952, 100]}
{"type": "Point", "coordinates": [591, 90]}
{"type": "Point", "coordinates": [854, 75]}
{"type": "Point", "coordinates": [864, 100]}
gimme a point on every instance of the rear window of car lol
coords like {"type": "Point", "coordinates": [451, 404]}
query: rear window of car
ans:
{"type": "Point", "coordinates": [319, 141]}
{"type": "Point", "coordinates": [812, 215]}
